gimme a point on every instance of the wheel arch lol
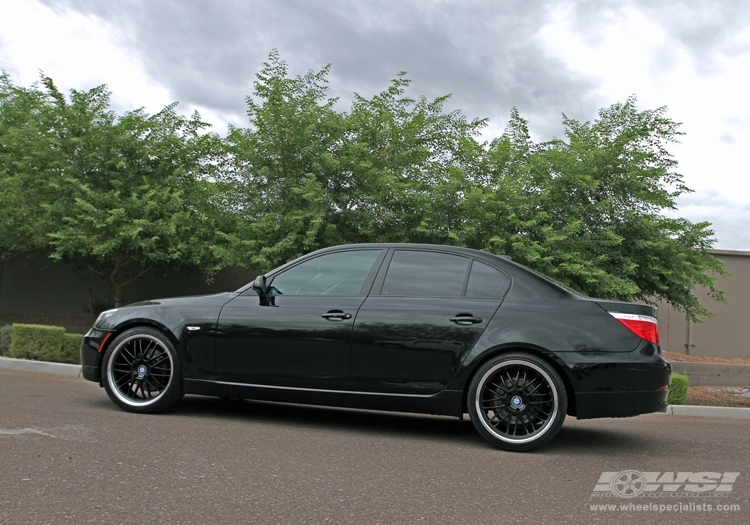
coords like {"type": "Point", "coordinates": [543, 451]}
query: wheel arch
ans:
{"type": "Point", "coordinates": [135, 323]}
{"type": "Point", "coordinates": [543, 354]}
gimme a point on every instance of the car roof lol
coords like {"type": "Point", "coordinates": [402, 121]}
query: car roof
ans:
{"type": "Point", "coordinates": [414, 246]}
{"type": "Point", "coordinates": [530, 281]}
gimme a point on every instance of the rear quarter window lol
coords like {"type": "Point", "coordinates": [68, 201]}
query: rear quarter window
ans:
{"type": "Point", "coordinates": [485, 281]}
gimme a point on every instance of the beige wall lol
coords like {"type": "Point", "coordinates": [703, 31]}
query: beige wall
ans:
{"type": "Point", "coordinates": [725, 335]}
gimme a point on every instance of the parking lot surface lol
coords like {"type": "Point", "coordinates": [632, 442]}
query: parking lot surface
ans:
{"type": "Point", "coordinates": [68, 455]}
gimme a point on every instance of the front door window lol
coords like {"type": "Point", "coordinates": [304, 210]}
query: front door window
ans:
{"type": "Point", "coordinates": [341, 273]}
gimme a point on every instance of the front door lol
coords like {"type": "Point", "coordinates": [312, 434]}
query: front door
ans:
{"type": "Point", "coordinates": [302, 339]}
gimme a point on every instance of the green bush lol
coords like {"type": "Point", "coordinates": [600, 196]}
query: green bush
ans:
{"type": "Point", "coordinates": [33, 341]}
{"type": "Point", "coordinates": [71, 349]}
{"type": "Point", "coordinates": [678, 390]}
{"type": "Point", "coordinates": [5, 339]}
{"type": "Point", "coordinates": [44, 343]}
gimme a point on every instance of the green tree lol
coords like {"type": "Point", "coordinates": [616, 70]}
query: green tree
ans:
{"type": "Point", "coordinates": [118, 196]}
{"type": "Point", "coordinates": [592, 209]}
{"type": "Point", "coordinates": [123, 195]}
{"type": "Point", "coordinates": [587, 210]}
{"type": "Point", "coordinates": [308, 176]}
{"type": "Point", "coordinates": [279, 166]}
{"type": "Point", "coordinates": [30, 165]}
{"type": "Point", "coordinates": [402, 172]}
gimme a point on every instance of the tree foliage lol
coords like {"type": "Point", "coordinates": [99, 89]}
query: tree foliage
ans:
{"type": "Point", "coordinates": [592, 216]}
{"type": "Point", "coordinates": [587, 209]}
{"type": "Point", "coordinates": [306, 176]}
{"type": "Point", "coordinates": [121, 195]}
{"type": "Point", "coordinates": [117, 196]}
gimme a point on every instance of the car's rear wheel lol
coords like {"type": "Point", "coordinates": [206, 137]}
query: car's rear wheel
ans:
{"type": "Point", "coordinates": [141, 371]}
{"type": "Point", "coordinates": [517, 401]}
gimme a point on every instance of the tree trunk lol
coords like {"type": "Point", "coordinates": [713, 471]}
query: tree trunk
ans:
{"type": "Point", "coordinates": [118, 294]}
{"type": "Point", "coordinates": [117, 286]}
{"type": "Point", "coordinates": [115, 283]}
{"type": "Point", "coordinates": [91, 307]}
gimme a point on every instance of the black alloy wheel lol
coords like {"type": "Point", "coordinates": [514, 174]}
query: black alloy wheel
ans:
{"type": "Point", "coordinates": [141, 371]}
{"type": "Point", "coordinates": [517, 401]}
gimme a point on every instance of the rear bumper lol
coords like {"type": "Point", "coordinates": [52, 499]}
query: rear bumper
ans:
{"type": "Point", "coordinates": [618, 384]}
{"type": "Point", "coordinates": [620, 404]}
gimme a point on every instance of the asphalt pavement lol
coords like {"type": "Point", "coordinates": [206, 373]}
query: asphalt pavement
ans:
{"type": "Point", "coordinates": [68, 455]}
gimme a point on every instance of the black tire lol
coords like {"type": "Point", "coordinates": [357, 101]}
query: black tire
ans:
{"type": "Point", "coordinates": [141, 371]}
{"type": "Point", "coordinates": [517, 401]}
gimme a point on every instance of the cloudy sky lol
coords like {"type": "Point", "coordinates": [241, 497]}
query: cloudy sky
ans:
{"type": "Point", "coordinates": [544, 57]}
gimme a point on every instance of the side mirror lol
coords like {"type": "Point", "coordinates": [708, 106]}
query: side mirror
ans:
{"type": "Point", "coordinates": [260, 285]}
{"type": "Point", "coordinates": [264, 291]}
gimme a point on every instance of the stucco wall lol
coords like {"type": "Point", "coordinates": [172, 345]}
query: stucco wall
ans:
{"type": "Point", "coordinates": [37, 289]}
{"type": "Point", "coordinates": [725, 335]}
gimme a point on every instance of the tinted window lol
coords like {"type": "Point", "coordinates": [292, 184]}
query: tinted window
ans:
{"type": "Point", "coordinates": [485, 281]}
{"type": "Point", "coordinates": [425, 274]}
{"type": "Point", "coordinates": [341, 273]}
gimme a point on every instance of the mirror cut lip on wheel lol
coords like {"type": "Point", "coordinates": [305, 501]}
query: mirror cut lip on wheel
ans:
{"type": "Point", "coordinates": [519, 400]}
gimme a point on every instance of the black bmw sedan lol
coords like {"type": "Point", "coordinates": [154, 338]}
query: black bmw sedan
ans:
{"type": "Point", "coordinates": [404, 327]}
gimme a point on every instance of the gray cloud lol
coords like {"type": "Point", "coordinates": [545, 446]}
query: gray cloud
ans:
{"type": "Point", "coordinates": [486, 55]}
{"type": "Point", "coordinates": [728, 219]}
{"type": "Point", "coordinates": [707, 30]}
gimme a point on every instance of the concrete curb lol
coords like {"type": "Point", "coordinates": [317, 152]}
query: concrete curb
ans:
{"type": "Point", "coordinates": [41, 367]}
{"type": "Point", "coordinates": [701, 411]}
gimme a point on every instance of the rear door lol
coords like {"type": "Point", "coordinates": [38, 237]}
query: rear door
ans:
{"type": "Point", "coordinates": [424, 314]}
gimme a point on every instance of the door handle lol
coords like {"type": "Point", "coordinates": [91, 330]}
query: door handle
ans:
{"type": "Point", "coordinates": [466, 319]}
{"type": "Point", "coordinates": [336, 315]}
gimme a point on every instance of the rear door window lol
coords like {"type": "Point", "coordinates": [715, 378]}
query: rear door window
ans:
{"type": "Point", "coordinates": [425, 274]}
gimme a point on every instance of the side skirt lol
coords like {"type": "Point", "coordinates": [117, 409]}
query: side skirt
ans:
{"type": "Point", "coordinates": [445, 403]}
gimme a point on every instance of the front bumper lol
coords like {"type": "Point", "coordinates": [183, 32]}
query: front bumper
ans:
{"type": "Point", "coordinates": [91, 358]}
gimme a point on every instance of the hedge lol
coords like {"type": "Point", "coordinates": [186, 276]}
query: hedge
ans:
{"type": "Point", "coordinates": [678, 390]}
{"type": "Point", "coordinates": [5, 339]}
{"type": "Point", "coordinates": [44, 343]}
{"type": "Point", "coordinates": [71, 349]}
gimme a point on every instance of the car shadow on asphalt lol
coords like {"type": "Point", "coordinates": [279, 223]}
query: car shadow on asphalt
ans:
{"type": "Point", "coordinates": [443, 428]}
{"type": "Point", "coordinates": [571, 439]}
{"type": "Point", "coordinates": [594, 441]}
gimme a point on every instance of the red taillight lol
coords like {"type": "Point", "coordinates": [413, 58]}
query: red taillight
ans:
{"type": "Point", "coordinates": [644, 326]}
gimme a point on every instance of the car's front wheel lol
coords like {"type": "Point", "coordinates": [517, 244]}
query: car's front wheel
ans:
{"type": "Point", "coordinates": [517, 401]}
{"type": "Point", "coordinates": [141, 371]}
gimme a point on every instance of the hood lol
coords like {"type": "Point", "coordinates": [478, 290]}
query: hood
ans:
{"type": "Point", "coordinates": [161, 308]}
